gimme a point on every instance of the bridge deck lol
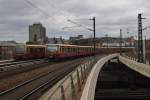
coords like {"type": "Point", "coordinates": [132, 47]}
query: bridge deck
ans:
{"type": "Point", "coordinates": [124, 80]}
{"type": "Point", "coordinates": [118, 82]}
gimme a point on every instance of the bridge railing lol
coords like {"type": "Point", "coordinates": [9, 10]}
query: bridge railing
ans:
{"type": "Point", "coordinates": [71, 85]}
{"type": "Point", "coordinates": [89, 90]}
{"type": "Point", "coordinates": [133, 57]}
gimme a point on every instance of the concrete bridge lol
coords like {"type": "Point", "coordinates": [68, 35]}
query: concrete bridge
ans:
{"type": "Point", "coordinates": [112, 77]}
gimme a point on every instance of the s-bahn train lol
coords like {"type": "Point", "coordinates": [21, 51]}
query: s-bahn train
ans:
{"type": "Point", "coordinates": [62, 51]}
{"type": "Point", "coordinates": [53, 51]}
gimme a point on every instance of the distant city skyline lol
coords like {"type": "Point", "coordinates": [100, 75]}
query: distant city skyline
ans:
{"type": "Point", "coordinates": [111, 15]}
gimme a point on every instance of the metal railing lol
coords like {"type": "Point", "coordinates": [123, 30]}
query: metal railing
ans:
{"type": "Point", "coordinates": [71, 85]}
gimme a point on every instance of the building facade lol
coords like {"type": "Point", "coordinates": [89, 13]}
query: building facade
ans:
{"type": "Point", "coordinates": [37, 33]}
{"type": "Point", "coordinates": [7, 49]}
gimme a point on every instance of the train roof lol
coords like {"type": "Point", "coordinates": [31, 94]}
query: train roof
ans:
{"type": "Point", "coordinates": [68, 45]}
{"type": "Point", "coordinates": [35, 45]}
{"type": "Point", "coordinates": [30, 45]}
{"type": "Point", "coordinates": [119, 47]}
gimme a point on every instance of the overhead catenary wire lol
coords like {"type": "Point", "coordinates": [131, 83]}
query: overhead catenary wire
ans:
{"type": "Point", "coordinates": [41, 10]}
{"type": "Point", "coordinates": [60, 11]}
{"type": "Point", "coordinates": [146, 28]}
{"type": "Point", "coordinates": [80, 25]}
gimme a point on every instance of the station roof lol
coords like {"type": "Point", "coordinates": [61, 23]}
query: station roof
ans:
{"type": "Point", "coordinates": [7, 43]}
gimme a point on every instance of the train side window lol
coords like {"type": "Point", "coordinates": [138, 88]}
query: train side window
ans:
{"type": "Point", "coordinates": [71, 49]}
{"type": "Point", "coordinates": [58, 49]}
{"type": "Point", "coordinates": [28, 50]}
{"type": "Point", "coordinates": [65, 49]}
{"type": "Point", "coordinates": [62, 49]}
{"type": "Point", "coordinates": [68, 49]}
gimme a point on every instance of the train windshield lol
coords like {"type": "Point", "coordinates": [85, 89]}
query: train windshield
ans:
{"type": "Point", "coordinates": [20, 48]}
{"type": "Point", "coordinates": [52, 48]}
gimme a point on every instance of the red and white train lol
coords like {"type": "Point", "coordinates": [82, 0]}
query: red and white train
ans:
{"type": "Point", "coordinates": [55, 51]}
{"type": "Point", "coordinates": [61, 51]}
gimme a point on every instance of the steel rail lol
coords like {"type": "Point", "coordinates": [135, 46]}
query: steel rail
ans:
{"type": "Point", "coordinates": [50, 82]}
{"type": "Point", "coordinates": [18, 62]}
{"type": "Point", "coordinates": [12, 66]}
{"type": "Point", "coordinates": [32, 80]}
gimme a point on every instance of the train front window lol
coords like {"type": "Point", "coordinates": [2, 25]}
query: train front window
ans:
{"type": "Point", "coordinates": [52, 48]}
{"type": "Point", "coordinates": [20, 49]}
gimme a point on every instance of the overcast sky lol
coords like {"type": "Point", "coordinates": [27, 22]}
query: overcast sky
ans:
{"type": "Point", "coordinates": [111, 15]}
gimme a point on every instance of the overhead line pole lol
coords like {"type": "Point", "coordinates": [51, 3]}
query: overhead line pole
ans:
{"type": "Point", "coordinates": [93, 19]}
{"type": "Point", "coordinates": [140, 39]}
{"type": "Point", "coordinates": [121, 41]}
{"type": "Point", "coordinates": [94, 35]}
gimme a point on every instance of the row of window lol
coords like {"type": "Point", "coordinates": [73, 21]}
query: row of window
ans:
{"type": "Point", "coordinates": [34, 50]}
{"type": "Point", "coordinates": [62, 49]}
{"type": "Point", "coordinates": [71, 49]}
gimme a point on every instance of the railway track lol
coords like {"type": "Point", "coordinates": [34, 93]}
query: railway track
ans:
{"type": "Point", "coordinates": [6, 61]}
{"type": "Point", "coordinates": [9, 63]}
{"type": "Point", "coordinates": [123, 94]}
{"type": "Point", "coordinates": [17, 67]}
{"type": "Point", "coordinates": [117, 81]}
{"type": "Point", "coordinates": [34, 88]}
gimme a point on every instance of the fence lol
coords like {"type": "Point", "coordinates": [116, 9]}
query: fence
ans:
{"type": "Point", "coordinates": [72, 84]}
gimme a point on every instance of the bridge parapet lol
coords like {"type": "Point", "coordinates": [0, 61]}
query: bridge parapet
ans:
{"type": "Point", "coordinates": [89, 90]}
{"type": "Point", "coordinates": [134, 57]}
{"type": "Point", "coordinates": [144, 69]}
{"type": "Point", "coordinates": [69, 87]}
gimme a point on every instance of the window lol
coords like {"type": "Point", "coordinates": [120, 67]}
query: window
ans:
{"type": "Point", "coordinates": [52, 48]}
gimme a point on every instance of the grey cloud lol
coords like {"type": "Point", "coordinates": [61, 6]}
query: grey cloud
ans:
{"type": "Point", "coordinates": [111, 15]}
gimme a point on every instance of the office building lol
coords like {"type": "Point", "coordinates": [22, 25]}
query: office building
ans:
{"type": "Point", "coordinates": [37, 33]}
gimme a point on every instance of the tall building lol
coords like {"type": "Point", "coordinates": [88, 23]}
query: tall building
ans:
{"type": "Point", "coordinates": [37, 33]}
